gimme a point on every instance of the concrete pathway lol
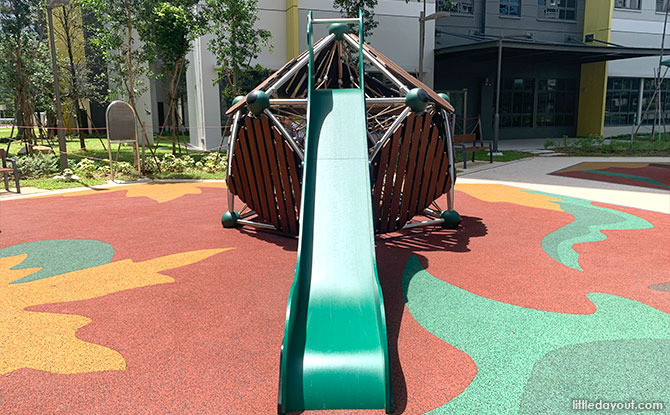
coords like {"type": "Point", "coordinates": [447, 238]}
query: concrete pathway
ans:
{"type": "Point", "coordinates": [535, 173]}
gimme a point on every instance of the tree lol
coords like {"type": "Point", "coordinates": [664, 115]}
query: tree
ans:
{"type": "Point", "coordinates": [117, 39]}
{"type": "Point", "coordinates": [350, 8]}
{"type": "Point", "coordinates": [236, 42]}
{"type": "Point", "coordinates": [23, 48]}
{"type": "Point", "coordinates": [77, 79]}
{"type": "Point", "coordinates": [169, 28]}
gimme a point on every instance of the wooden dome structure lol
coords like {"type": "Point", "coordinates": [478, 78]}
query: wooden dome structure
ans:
{"type": "Point", "coordinates": [410, 150]}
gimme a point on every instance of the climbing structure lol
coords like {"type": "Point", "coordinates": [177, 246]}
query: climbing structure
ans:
{"type": "Point", "coordinates": [408, 138]}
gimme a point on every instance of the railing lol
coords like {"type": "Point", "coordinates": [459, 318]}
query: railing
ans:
{"type": "Point", "coordinates": [311, 21]}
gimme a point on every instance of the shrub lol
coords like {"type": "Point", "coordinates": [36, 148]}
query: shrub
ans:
{"type": "Point", "coordinates": [86, 167]}
{"type": "Point", "coordinates": [213, 162]}
{"type": "Point", "coordinates": [37, 166]}
{"type": "Point", "coordinates": [549, 143]}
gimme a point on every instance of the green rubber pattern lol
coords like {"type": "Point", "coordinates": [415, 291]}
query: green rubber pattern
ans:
{"type": "Point", "coordinates": [335, 350]}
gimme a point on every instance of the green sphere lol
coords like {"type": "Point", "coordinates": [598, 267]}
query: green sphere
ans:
{"type": "Point", "coordinates": [451, 219]}
{"type": "Point", "coordinates": [238, 99]}
{"type": "Point", "coordinates": [444, 96]}
{"type": "Point", "coordinates": [229, 219]}
{"type": "Point", "coordinates": [417, 99]}
{"type": "Point", "coordinates": [258, 101]}
{"type": "Point", "coordinates": [338, 29]}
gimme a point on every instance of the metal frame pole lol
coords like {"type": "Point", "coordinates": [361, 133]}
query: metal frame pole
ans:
{"type": "Point", "coordinates": [452, 162]}
{"type": "Point", "coordinates": [496, 119]}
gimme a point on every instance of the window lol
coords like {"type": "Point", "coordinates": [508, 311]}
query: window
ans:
{"type": "Point", "coordinates": [627, 4]}
{"type": "Point", "coordinates": [556, 102]}
{"type": "Point", "coordinates": [659, 5]}
{"type": "Point", "coordinates": [516, 102]}
{"type": "Point", "coordinates": [648, 94]}
{"type": "Point", "coordinates": [621, 100]}
{"type": "Point", "coordinates": [510, 8]}
{"type": "Point", "coordinates": [557, 9]}
{"type": "Point", "coordinates": [460, 7]}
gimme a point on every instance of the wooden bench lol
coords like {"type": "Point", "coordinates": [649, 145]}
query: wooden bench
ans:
{"type": "Point", "coordinates": [6, 171]}
{"type": "Point", "coordinates": [471, 143]}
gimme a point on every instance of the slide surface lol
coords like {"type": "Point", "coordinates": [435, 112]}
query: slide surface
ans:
{"type": "Point", "coordinates": [335, 351]}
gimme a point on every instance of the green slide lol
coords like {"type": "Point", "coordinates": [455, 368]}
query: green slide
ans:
{"type": "Point", "coordinates": [335, 350]}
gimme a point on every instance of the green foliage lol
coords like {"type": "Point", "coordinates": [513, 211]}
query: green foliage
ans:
{"type": "Point", "coordinates": [212, 163]}
{"type": "Point", "coordinates": [549, 143]}
{"type": "Point", "coordinates": [37, 166]}
{"type": "Point", "coordinates": [114, 37]}
{"type": "Point", "coordinates": [86, 167]}
{"type": "Point", "coordinates": [350, 8]}
{"type": "Point", "coordinates": [236, 42]}
{"type": "Point", "coordinates": [24, 67]}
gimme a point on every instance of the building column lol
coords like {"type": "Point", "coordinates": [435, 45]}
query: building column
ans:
{"type": "Point", "coordinates": [292, 32]}
{"type": "Point", "coordinates": [593, 80]}
{"type": "Point", "coordinates": [204, 102]}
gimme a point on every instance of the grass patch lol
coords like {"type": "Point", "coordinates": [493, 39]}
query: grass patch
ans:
{"type": "Point", "coordinates": [617, 146]}
{"type": "Point", "coordinates": [52, 184]}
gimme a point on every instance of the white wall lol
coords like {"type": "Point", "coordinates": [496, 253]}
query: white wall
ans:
{"type": "Point", "coordinates": [637, 28]}
{"type": "Point", "coordinates": [204, 105]}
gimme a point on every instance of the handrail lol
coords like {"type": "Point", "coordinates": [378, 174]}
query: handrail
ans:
{"type": "Point", "coordinates": [311, 21]}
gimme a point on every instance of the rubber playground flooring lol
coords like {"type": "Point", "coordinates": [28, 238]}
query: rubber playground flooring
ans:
{"type": "Point", "coordinates": [653, 175]}
{"type": "Point", "coordinates": [134, 300]}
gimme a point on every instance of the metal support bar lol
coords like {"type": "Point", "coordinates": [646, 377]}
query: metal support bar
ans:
{"type": "Point", "coordinates": [431, 212]}
{"type": "Point", "coordinates": [302, 62]}
{"type": "Point", "coordinates": [389, 132]}
{"type": "Point", "coordinates": [285, 133]}
{"type": "Point", "coordinates": [301, 102]}
{"type": "Point", "coordinates": [246, 215]}
{"type": "Point", "coordinates": [340, 20]}
{"type": "Point", "coordinates": [256, 224]}
{"type": "Point", "coordinates": [423, 223]}
{"type": "Point", "coordinates": [373, 60]}
{"type": "Point", "coordinates": [452, 162]}
{"type": "Point", "coordinates": [231, 201]}
{"type": "Point", "coordinates": [233, 138]}
{"type": "Point", "coordinates": [288, 102]}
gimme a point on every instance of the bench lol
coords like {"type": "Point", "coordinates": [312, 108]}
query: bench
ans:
{"type": "Point", "coordinates": [6, 171]}
{"type": "Point", "coordinates": [471, 143]}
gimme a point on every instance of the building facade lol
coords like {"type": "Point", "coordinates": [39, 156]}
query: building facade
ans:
{"type": "Point", "coordinates": [631, 83]}
{"type": "Point", "coordinates": [554, 62]}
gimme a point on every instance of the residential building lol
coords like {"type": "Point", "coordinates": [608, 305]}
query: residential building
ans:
{"type": "Point", "coordinates": [554, 61]}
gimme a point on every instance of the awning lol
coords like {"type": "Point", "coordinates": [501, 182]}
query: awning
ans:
{"type": "Point", "coordinates": [528, 51]}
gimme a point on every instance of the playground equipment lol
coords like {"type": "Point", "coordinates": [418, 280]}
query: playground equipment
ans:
{"type": "Point", "coordinates": [377, 152]}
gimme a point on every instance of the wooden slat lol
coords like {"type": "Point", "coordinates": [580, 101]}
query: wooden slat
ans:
{"type": "Point", "coordinates": [438, 159]}
{"type": "Point", "coordinates": [419, 174]}
{"type": "Point", "coordinates": [403, 154]}
{"type": "Point", "coordinates": [276, 180]}
{"type": "Point", "coordinates": [382, 166]}
{"type": "Point", "coordinates": [245, 157]}
{"type": "Point", "coordinates": [293, 172]}
{"type": "Point", "coordinates": [442, 176]}
{"type": "Point", "coordinates": [286, 183]}
{"type": "Point", "coordinates": [266, 172]}
{"type": "Point", "coordinates": [258, 171]}
{"type": "Point", "coordinates": [419, 126]}
{"type": "Point", "coordinates": [428, 172]}
{"type": "Point", "coordinates": [387, 195]}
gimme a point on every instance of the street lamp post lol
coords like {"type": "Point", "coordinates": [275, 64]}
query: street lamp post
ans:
{"type": "Point", "coordinates": [62, 147]}
{"type": "Point", "coordinates": [422, 34]}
